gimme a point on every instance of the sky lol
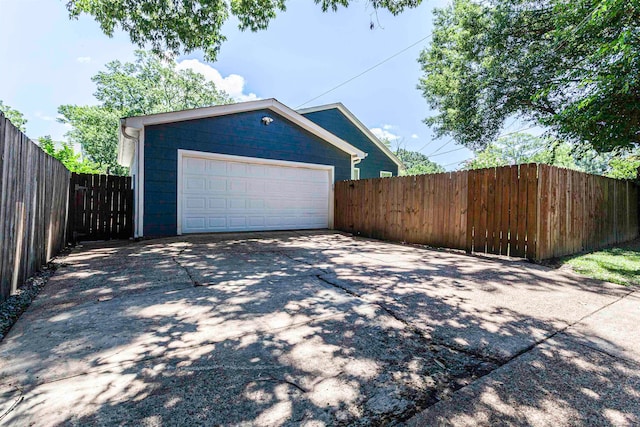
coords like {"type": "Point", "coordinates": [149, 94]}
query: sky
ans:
{"type": "Point", "coordinates": [303, 54]}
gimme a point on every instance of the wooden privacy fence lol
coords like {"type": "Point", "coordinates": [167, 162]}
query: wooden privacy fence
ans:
{"type": "Point", "coordinates": [33, 207]}
{"type": "Point", "coordinates": [533, 211]}
{"type": "Point", "coordinates": [100, 207]}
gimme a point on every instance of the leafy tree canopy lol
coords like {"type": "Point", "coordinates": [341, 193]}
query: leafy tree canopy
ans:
{"type": "Point", "coordinates": [186, 25]}
{"type": "Point", "coordinates": [571, 66]}
{"type": "Point", "coordinates": [68, 156]}
{"type": "Point", "coordinates": [14, 116]}
{"type": "Point", "coordinates": [625, 167]}
{"type": "Point", "coordinates": [522, 148]}
{"type": "Point", "coordinates": [417, 163]}
{"type": "Point", "coordinates": [147, 86]}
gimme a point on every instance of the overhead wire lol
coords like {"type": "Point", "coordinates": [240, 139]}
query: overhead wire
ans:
{"type": "Point", "coordinates": [366, 71]}
{"type": "Point", "coordinates": [435, 153]}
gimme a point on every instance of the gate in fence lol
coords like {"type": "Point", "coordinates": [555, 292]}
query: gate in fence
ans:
{"type": "Point", "coordinates": [100, 207]}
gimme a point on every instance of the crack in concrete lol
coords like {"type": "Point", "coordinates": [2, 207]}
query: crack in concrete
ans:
{"type": "Point", "coordinates": [564, 329]}
{"type": "Point", "coordinates": [286, 255]}
{"type": "Point", "coordinates": [410, 327]}
{"type": "Point", "coordinates": [183, 267]}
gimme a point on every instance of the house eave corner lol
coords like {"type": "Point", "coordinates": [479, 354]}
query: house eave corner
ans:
{"type": "Point", "coordinates": [127, 140]}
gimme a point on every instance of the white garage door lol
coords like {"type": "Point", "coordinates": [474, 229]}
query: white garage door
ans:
{"type": "Point", "coordinates": [228, 193]}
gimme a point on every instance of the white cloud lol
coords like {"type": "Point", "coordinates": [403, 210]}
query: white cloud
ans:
{"type": "Point", "coordinates": [233, 84]}
{"type": "Point", "coordinates": [45, 117]}
{"type": "Point", "coordinates": [388, 127]}
{"type": "Point", "coordinates": [384, 134]}
{"type": "Point", "coordinates": [83, 59]}
{"type": "Point", "coordinates": [414, 136]}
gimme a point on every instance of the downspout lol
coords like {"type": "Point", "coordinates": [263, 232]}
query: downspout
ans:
{"type": "Point", "coordinates": [354, 161]}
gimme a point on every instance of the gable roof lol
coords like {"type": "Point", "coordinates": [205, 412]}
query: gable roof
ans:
{"type": "Point", "coordinates": [353, 119]}
{"type": "Point", "coordinates": [130, 127]}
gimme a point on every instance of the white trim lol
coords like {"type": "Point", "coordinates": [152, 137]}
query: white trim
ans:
{"type": "Point", "coordinates": [349, 115]}
{"type": "Point", "coordinates": [386, 174]}
{"type": "Point", "coordinates": [204, 155]}
{"type": "Point", "coordinates": [139, 213]}
{"type": "Point", "coordinates": [131, 124]}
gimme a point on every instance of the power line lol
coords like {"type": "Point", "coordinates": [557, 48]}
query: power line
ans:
{"type": "Point", "coordinates": [447, 152]}
{"type": "Point", "coordinates": [366, 71]}
{"type": "Point", "coordinates": [441, 147]}
{"type": "Point", "coordinates": [454, 163]}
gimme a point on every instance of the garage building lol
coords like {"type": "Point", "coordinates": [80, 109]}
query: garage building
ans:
{"type": "Point", "coordinates": [248, 166]}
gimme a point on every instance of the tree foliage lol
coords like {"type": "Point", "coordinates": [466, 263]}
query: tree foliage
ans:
{"type": "Point", "coordinates": [186, 25]}
{"type": "Point", "coordinates": [417, 163]}
{"type": "Point", "coordinates": [569, 66]}
{"type": "Point", "coordinates": [14, 116]}
{"type": "Point", "coordinates": [147, 86]}
{"type": "Point", "coordinates": [625, 167]}
{"type": "Point", "coordinates": [522, 148]}
{"type": "Point", "coordinates": [68, 156]}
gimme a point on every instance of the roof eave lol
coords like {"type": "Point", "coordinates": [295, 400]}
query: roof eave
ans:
{"type": "Point", "coordinates": [139, 122]}
{"type": "Point", "coordinates": [349, 115]}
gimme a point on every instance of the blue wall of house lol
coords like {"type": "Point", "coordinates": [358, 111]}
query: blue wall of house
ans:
{"type": "Point", "coordinates": [336, 122]}
{"type": "Point", "coordinates": [241, 134]}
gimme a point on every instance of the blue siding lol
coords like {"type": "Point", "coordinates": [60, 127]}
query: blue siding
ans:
{"type": "Point", "coordinates": [336, 123]}
{"type": "Point", "coordinates": [240, 134]}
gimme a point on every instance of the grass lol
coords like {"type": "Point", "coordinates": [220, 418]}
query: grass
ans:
{"type": "Point", "coordinates": [619, 264]}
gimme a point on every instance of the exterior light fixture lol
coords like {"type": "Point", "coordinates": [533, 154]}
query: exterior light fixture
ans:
{"type": "Point", "coordinates": [266, 120]}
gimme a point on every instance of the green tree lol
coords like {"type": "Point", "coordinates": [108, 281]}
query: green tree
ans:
{"type": "Point", "coordinates": [625, 167]}
{"type": "Point", "coordinates": [417, 163]}
{"type": "Point", "coordinates": [569, 66]}
{"type": "Point", "coordinates": [187, 25]}
{"type": "Point", "coordinates": [14, 116]}
{"type": "Point", "coordinates": [68, 156]}
{"type": "Point", "coordinates": [147, 86]}
{"type": "Point", "coordinates": [522, 148]}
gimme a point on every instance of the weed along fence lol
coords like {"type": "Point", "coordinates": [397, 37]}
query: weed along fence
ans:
{"type": "Point", "coordinates": [533, 211]}
{"type": "Point", "coordinates": [33, 207]}
{"type": "Point", "coordinates": [100, 207]}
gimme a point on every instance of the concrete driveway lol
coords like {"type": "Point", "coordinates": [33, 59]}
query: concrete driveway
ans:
{"type": "Point", "coordinates": [318, 328]}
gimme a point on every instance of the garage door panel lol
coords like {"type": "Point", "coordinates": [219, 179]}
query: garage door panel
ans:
{"type": "Point", "coordinates": [236, 196]}
{"type": "Point", "coordinates": [237, 204]}
{"type": "Point", "coordinates": [217, 223]}
{"type": "Point", "coordinates": [195, 222]}
{"type": "Point", "coordinates": [256, 187]}
{"type": "Point", "coordinates": [216, 168]}
{"type": "Point", "coordinates": [236, 186]}
{"type": "Point", "coordinates": [256, 171]}
{"type": "Point", "coordinates": [237, 222]}
{"type": "Point", "coordinates": [217, 204]}
{"type": "Point", "coordinates": [195, 165]}
{"type": "Point", "coordinates": [196, 203]}
{"type": "Point", "coordinates": [256, 221]}
{"type": "Point", "coordinates": [217, 185]}
{"type": "Point", "coordinates": [194, 183]}
{"type": "Point", "coordinates": [256, 204]}
{"type": "Point", "coordinates": [236, 169]}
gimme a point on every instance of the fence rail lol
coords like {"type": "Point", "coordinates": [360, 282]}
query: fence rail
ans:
{"type": "Point", "coordinates": [33, 207]}
{"type": "Point", "coordinates": [533, 211]}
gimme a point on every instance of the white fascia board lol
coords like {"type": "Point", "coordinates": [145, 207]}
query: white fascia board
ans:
{"type": "Point", "coordinates": [139, 122]}
{"type": "Point", "coordinates": [349, 115]}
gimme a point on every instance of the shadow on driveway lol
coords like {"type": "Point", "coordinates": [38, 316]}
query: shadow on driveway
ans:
{"type": "Point", "coordinates": [315, 328]}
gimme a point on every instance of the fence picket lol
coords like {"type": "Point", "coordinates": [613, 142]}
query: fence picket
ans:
{"type": "Point", "coordinates": [32, 217]}
{"type": "Point", "coordinates": [537, 211]}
